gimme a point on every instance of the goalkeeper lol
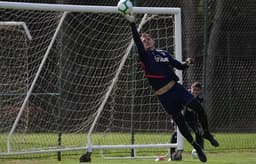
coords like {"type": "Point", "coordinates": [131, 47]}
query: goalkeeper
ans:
{"type": "Point", "coordinates": [158, 67]}
{"type": "Point", "coordinates": [192, 120]}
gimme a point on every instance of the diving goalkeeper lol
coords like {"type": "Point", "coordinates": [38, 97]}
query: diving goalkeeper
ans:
{"type": "Point", "coordinates": [158, 68]}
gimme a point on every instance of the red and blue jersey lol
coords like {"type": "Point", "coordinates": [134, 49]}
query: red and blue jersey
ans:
{"type": "Point", "coordinates": [158, 65]}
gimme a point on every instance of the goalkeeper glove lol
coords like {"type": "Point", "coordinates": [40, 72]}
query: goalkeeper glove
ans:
{"type": "Point", "coordinates": [130, 17]}
{"type": "Point", "coordinates": [190, 61]}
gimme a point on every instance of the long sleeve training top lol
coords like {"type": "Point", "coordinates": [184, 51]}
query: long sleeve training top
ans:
{"type": "Point", "coordinates": [158, 65]}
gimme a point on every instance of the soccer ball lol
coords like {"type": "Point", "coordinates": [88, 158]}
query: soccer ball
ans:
{"type": "Point", "coordinates": [194, 154]}
{"type": "Point", "coordinates": [124, 6]}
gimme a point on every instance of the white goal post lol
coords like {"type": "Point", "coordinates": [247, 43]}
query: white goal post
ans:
{"type": "Point", "coordinates": [74, 77]}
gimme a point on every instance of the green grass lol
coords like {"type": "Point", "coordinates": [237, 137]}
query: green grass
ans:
{"type": "Point", "coordinates": [213, 158]}
{"type": "Point", "coordinates": [235, 148]}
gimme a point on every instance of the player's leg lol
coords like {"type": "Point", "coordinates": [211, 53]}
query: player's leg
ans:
{"type": "Point", "coordinates": [170, 102]}
{"type": "Point", "coordinates": [199, 139]}
{"type": "Point", "coordinates": [173, 140]}
{"type": "Point", "coordinates": [172, 107]}
{"type": "Point", "coordinates": [180, 121]}
{"type": "Point", "coordinates": [192, 121]}
{"type": "Point", "coordinates": [174, 155]}
{"type": "Point", "coordinates": [202, 117]}
{"type": "Point", "coordinates": [200, 152]}
{"type": "Point", "coordinates": [195, 126]}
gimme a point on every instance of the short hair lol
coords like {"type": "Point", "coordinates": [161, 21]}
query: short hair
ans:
{"type": "Point", "coordinates": [197, 85]}
{"type": "Point", "coordinates": [144, 34]}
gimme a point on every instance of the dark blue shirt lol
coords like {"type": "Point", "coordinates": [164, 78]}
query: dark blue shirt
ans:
{"type": "Point", "coordinates": [158, 65]}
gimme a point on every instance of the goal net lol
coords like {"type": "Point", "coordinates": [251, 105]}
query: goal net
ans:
{"type": "Point", "coordinates": [70, 79]}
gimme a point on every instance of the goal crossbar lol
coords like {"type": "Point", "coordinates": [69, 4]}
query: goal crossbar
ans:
{"type": "Point", "coordinates": [82, 8]}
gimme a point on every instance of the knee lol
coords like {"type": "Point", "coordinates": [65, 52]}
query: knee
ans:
{"type": "Point", "coordinates": [196, 106]}
{"type": "Point", "coordinates": [179, 119]}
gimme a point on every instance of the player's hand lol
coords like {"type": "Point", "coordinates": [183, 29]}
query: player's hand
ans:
{"type": "Point", "coordinates": [130, 17]}
{"type": "Point", "coordinates": [190, 61]}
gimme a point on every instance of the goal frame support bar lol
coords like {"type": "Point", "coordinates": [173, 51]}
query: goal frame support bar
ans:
{"type": "Point", "coordinates": [15, 23]}
{"type": "Point", "coordinates": [94, 147]}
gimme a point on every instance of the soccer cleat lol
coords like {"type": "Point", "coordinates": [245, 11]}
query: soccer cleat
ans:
{"type": "Point", "coordinates": [201, 155]}
{"type": "Point", "coordinates": [177, 156]}
{"type": "Point", "coordinates": [210, 138]}
{"type": "Point", "coordinates": [86, 157]}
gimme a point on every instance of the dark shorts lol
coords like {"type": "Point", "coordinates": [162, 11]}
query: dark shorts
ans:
{"type": "Point", "coordinates": [174, 100]}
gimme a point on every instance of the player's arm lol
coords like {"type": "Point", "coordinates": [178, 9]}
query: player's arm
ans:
{"type": "Point", "coordinates": [136, 36]}
{"type": "Point", "coordinates": [179, 65]}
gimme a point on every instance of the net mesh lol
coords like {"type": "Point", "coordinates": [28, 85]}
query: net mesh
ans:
{"type": "Point", "coordinates": [75, 78]}
{"type": "Point", "coordinates": [229, 76]}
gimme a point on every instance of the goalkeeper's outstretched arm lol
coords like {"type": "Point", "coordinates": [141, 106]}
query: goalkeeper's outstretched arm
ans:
{"type": "Point", "coordinates": [136, 36]}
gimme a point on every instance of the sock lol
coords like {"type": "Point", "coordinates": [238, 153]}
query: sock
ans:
{"type": "Point", "coordinates": [199, 140]}
{"type": "Point", "coordinates": [173, 140]}
{"type": "Point", "coordinates": [180, 121]}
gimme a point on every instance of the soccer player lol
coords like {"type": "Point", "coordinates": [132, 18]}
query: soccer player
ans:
{"type": "Point", "coordinates": [192, 120]}
{"type": "Point", "coordinates": [158, 68]}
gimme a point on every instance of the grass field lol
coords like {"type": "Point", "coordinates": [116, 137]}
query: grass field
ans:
{"type": "Point", "coordinates": [213, 158]}
{"type": "Point", "coordinates": [235, 148]}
